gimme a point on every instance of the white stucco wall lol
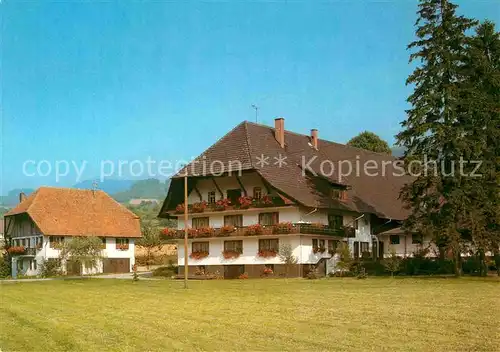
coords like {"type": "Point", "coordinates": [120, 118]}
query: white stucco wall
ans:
{"type": "Point", "coordinates": [405, 246]}
{"type": "Point", "coordinates": [301, 246]}
{"type": "Point", "coordinates": [249, 181]}
{"type": "Point", "coordinates": [47, 252]}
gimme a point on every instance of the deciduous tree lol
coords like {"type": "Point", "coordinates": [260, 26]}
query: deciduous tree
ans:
{"type": "Point", "coordinates": [370, 141]}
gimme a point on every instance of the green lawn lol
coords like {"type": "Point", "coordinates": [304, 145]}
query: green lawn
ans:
{"type": "Point", "coordinates": [329, 314]}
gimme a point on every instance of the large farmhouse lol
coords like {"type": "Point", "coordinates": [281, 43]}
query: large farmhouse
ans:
{"type": "Point", "coordinates": [37, 226]}
{"type": "Point", "coordinates": [239, 220]}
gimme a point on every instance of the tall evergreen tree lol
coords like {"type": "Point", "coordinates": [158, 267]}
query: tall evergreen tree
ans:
{"type": "Point", "coordinates": [434, 126]}
{"type": "Point", "coordinates": [481, 104]}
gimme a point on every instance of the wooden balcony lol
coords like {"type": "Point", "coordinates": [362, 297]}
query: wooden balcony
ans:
{"type": "Point", "coordinates": [261, 230]}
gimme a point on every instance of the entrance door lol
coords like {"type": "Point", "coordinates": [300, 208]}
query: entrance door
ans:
{"type": "Point", "coordinates": [381, 250]}
{"type": "Point", "coordinates": [116, 265]}
{"type": "Point", "coordinates": [233, 195]}
{"type": "Point", "coordinates": [73, 267]}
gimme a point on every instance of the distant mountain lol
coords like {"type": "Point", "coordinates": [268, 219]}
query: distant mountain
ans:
{"type": "Point", "coordinates": [12, 198]}
{"type": "Point", "coordinates": [108, 186]}
{"type": "Point", "coordinates": [147, 189]}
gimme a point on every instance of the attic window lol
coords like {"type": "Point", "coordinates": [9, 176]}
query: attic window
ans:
{"type": "Point", "coordinates": [257, 192]}
{"type": "Point", "coordinates": [211, 197]}
{"type": "Point", "coordinates": [337, 193]}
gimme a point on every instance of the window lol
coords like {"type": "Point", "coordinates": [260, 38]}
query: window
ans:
{"type": "Point", "coordinates": [365, 247]}
{"type": "Point", "coordinates": [321, 243]}
{"type": "Point", "coordinates": [122, 241]}
{"type": "Point", "coordinates": [235, 220]}
{"type": "Point", "coordinates": [315, 243]}
{"type": "Point", "coordinates": [56, 241]}
{"type": "Point", "coordinates": [394, 239]}
{"type": "Point", "coordinates": [269, 245]}
{"type": "Point", "coordinates": [211, 197]}
{"type": "Point", "coordinates": [266, 219]}
{"type": "Point", "coordinates": [31, 264]}
{"type": "Point", "coordinates": [122, 244]}
{"type": "Point", "coordinates": [198, 223]}
{"type": "Point", "coordinates": [332, 246]}
{"type": "Point", "coordinates": [269, 266]}
{"type": "Point", "coordinates": [236, 246]}
{"type": "Point", "coordinates": [200, 247]}
{"type": "Point", "coordinates": [103, 239]}
{"type": "Point", "coordinates": [335, 221]}
{"type": "Point", "coordinates": [336, 193]}
{"type": "Point", "coordinates": [416, 239]}
{"type": "Point", "coordinates": [233, 195]}
{"type": "Point", "coordinates": [34, 265]}
{"type": "Point", "coordinates": [356, 249]}
{"type": "Point", "coordinates": [257, 192]}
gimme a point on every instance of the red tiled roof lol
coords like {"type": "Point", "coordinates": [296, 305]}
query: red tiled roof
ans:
{"type": "Point", "coordinates": [77, 212]}
{"type": "Point", "coordinates": [247, 141]}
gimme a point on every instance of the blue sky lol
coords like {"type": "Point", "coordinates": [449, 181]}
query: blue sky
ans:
{"type": "Point", "coordinates": [123, 81]}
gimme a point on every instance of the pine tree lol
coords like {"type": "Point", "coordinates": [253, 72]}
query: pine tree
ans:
{"type": "Point", "coordinates": [434, 127]}
{"type": "Point", "coordinates": [481, 104]}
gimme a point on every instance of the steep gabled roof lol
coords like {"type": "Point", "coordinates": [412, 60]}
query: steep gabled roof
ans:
{"type": "Point", "coordinates": [77, 212]}
{"type": "Point", "coordinates": [248, 141]}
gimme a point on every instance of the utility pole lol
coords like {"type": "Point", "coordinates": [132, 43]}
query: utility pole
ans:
{"type": "Point", "coordinates": [256, 112]}
{"type": "Point", "coordinates": [185, 230]}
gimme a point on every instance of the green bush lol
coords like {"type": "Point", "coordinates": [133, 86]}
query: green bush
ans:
{"type": "Point", "coordinates": [5, 267]}
{"type": "Point", "coordinates": [50, 267]}
{"type": "Point", "coordinates": [166, 271]}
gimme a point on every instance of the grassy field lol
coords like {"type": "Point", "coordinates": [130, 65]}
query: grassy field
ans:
{"type": "Point", "coordinates": [330, 314]}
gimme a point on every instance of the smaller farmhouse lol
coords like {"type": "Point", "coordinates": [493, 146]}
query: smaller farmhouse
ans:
{"type": "Point", "coordinates": [37, 226]}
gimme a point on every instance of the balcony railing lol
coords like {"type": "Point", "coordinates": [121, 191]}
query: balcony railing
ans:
{"type": "Point", "coordinates": [242, 203]}
{"type": "Point", "coordinates": [261, 230]}
{"type": "Point", "coordinates": [21, 250]}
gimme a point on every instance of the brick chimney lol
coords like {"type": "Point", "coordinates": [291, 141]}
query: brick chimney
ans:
{"type": "Point", "coordinates": [279, 131]}
{"type": "Point", "coordinates": [22, 197]}
{"type": "Point", "coordinates": [314, 138]}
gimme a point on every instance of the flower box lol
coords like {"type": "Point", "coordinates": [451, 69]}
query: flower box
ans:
{"type": "Point", "coordinates": [227, 229]}
{"type": "Point", "coordinates": [16, 250]}
{"type": "Point", "coordinates": [267, 253]}
{"type": "Point", "coordinates": [122, 247]}
{"type": "Point", "coordinates": [319, 250]}
{"type": "Point", "coordinates": [245, 202]}
{"type": "Point", "coordinates": [169, 233]}
{"type": "Point", "coordinates": [179, 209]}
{"type": "Point", "coordinates": [243, 276]}
{"type": "Point", "coordinates": [230, 254]}
{"type": "Point", "coordinates": [253, 230]}
{"type": "Point", "coordinates": [283, 228]}
{"type": "Point", "coordinates": [199, 207]}
{"type": "Point", "coordinates": [198, 255]}
{"type": "Point", "coordinates": [265, 201]}
{"type": "Point", "coordinates": [201, 232]}
{"type": "Point", "coordinates": [222, 204]}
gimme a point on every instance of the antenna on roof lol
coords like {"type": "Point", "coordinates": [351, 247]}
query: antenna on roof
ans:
{"type": "Point", "coordinates": [94, 186]}
{"type": "Point", "coordinates": [256, 111]}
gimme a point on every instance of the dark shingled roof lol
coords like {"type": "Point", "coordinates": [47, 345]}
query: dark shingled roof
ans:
{"type": "Point", "coordinates": [377, 195]}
